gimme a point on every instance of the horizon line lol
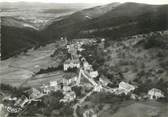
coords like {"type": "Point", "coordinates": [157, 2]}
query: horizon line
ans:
{"type": "Point", "coordinates": [97, 3]}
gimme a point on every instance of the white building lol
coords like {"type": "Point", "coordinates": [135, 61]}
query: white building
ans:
{"type": "Point", "coordinates": [45, 89]}
{"type": "Point", "coordinates": [72, 80]}
{"type": "Point", "coordinates": [66, 88]}
{"type": "Point", "coordinates": [94, 74]}
{"type": "Point", "coordinates": [13, 99]}
{"type": "Point", "coordinates": [98, 88]}
{"type": "Point", "coordinates": [87, 66]}
{"type": "Point", "coordinates": [155, 93]}
{"type": "Point", "coordinates": [124, 88]}
{"type": "Point", "coordinates": [68, 97]}
{"type": "Point", "coordinates": [13, 110]}
{"type": "Point", "coordinates": [127, 88]}
{"type": "Point", "coordinates": [53, 83]}
{"type": "Point", "coordinates": [81, 49]}
{"type": "Point", "coordinates": [71, 64]}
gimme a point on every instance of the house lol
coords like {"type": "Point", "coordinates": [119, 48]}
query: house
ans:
{"type": "Point", "coordinates": [66, 88]}
{"type": "Point", "coordinates": [71, 64]}
{"type": "Point", "coordinates": [53, 83]}
{"type": "Point", "coordinates": [12, 99]}
{"type": "Point", "coordinates": [72, 49]}
{"type": "Point", "coordinates": [98, 88]}
{"type": "Point", "coordinates": [13, 109]}
{"type": "Point", "coordinates": [124, 88]}
{"type": "Point", "coordinates": [72, 80]}
{"type": "Point", "coordinates": [81, 49]}
{"type": "Point", "coordinates": [134, 96]}
{"type": "Point", "coordinates": [45, 89]}
{"type": "Point", "coordinates": [68, 97]}
{"type": "Point", "coordinates": [155, 94]}
{"type": "Point", "coordinates": [127, 88]}
{"type": "Point", "coordinates": [87, 66]}
{"type": "Point", "coordinates": [65, 81]}
{"type": "Point", "coordinates": [94, 74]}
{"type": "Point", "coordinates": [63, 41]}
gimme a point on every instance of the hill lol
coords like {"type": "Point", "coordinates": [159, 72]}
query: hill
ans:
{"type": "Point", "coordinates": [17, 36]}
{"type": "Point", "coordinates": [18, 23]}
{"type": "Point", "coordinates": [121, 20]}
{"type": "Point", "coordinates": [110, 21]}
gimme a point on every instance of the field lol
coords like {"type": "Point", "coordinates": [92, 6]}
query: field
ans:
{"type": "Point", "coordinates": [16, 70]}
{"type": "Point", "coordinates": [107, 105]}
{"type": "Point", "coordinates": [140, 109]}
{"type": "Point", "coordinates": [39, 80]}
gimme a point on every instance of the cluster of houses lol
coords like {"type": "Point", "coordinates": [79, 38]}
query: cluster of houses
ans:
{"type": "Point", "coordinates": [86, 71]}
{"type": "Point", "coordinates": [84, 67]}
{"type": "Point", "coordinates": [34, 94]}
{"type": "Point", "coordinates": [127, 89]}
{"type": "Point", "coordinates": [69, 95]}
{"type": "Point", "coordinates": [85, 41]}
{"type": "Point", "coordinates": [17, 104]}
{"type": "Point", "coordinates": [73, 48]}
{"type": "Point", "coordinates": [73, 62]}
{"type": "Point", "coordinates": [58, 85]}
{"type": "Point", "coordinates": [63, 85]}
{"type": "Point", "coordinates": [13, 110]}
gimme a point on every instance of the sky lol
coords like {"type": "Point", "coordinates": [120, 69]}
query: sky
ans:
{"type": "Point", "coordinates": [92, 1]}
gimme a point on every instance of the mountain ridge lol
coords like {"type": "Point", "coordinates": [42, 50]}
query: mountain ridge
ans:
{"type": "Point", "coordinates": [76, 23]}
{"type": "Point", "coordinates": [113, 21]}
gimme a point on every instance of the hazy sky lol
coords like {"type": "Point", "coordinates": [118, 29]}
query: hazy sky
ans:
{"type": "Point", "coordinates": [92, 1]}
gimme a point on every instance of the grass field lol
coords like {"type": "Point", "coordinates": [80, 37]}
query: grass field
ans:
{"type": "Point", "coordinates": [44, 79]}
{"type": "Point", "coordinates": [16, 70]}
{"type": "Point", "coordinates": [142, 109]}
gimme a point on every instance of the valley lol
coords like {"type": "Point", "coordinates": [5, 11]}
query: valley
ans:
{"type": "Point", "coordinates": [84, 60]}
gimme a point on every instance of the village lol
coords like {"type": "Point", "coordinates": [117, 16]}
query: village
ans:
{"type": "Point", "coordinates": [86, 77]}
